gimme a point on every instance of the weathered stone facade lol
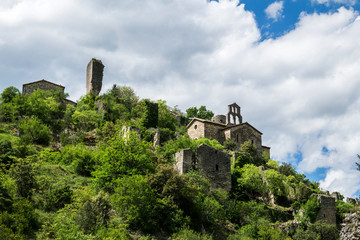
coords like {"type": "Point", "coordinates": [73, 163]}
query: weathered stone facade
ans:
{"type": "Point", "coordinates": [94, 76]}
{"type": "Point", "coordinates": [218, 130]}
{"type": "Point", "coordinates": [328, 210]}
{"type": "Point", "coordinates": [213, 163]}
{"type": "Point", "coordinates": [28, 88]}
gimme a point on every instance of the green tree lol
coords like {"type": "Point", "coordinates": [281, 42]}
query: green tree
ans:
{"type": "Point", "coordinates": [123, 156]}
{"type": "Point", "coordinates": [33, 130]}
{"type": "Point", "coordinates": [24, 175]}
{"type": "Point", "coordinates": [202, 112]}
{"type": "Point", "coordinates": [135, 202]}
{"type": "Point", "coordinates": [9, 94]}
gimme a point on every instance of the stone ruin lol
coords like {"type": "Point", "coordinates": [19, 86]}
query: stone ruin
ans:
{"type": "Point", "coordinates": [94, 76]}
{"type": "Point", "coordinates": [214, 164]}
{"type": "Point", "coordinates": [45, 85]}
{"type": "Point", "coordinates": [328, 210]}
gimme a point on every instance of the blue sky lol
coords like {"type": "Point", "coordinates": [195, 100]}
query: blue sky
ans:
{"type": "Point", "coordinates": [292, 65]}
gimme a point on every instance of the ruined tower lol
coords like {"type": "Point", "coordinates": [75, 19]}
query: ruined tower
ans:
{"type": "Point", "coordinates": [94, 75]}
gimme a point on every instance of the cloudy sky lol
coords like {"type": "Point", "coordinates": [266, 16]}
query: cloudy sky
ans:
{"type": "Point", "coordinates": [292, 65]}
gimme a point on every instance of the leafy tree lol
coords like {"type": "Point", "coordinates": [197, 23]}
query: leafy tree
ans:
{"type": "Point", "coordinates": [251, 181]}
{"type": "Point", "coordinates": [134, 201]}
{"type": "Point", "coordinates": [33, 130]}
{"type": "Point", "coordinates": [202, 112]}
{"type": "Point", "coordinates": [230, 144]}
{"type": "Point", "coordinates": [24, 175]}
{"type": "Point", "coordinates": [319, 230]}
{"type": "Point", "coordinates": [8, 94]}
{"type": "Point", "coordinates": [94, 214]}
{"type": "Point", "coordinates": [123, 156]}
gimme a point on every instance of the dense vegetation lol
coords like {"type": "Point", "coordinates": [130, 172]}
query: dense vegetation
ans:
{"type": "Point", "coordinates": [74, 173]}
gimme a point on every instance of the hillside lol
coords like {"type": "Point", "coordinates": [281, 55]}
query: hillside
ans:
{"type": "Point", "coordinates": [92, 171]}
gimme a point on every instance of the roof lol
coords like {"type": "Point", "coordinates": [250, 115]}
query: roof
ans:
{"type": "Point", "coordinates": [43, 80]}
{"type": "Point", "coordinates": [242, 124]}
{"type": "Point", "coordinates": [205, 121]}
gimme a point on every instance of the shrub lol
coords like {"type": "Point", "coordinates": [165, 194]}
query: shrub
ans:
{"type": "Point", "coordinates": [33, 130]}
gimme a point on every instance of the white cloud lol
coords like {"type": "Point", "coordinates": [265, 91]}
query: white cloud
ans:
{"type": "Point", "coordinates": [300, 90]}
{"type": "Point", "coordinates": [275, 10]}
{"type": "Point", "coordinates": [328, 2]}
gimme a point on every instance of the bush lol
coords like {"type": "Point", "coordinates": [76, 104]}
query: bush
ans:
{"type": "Point", "coordinates": [319, 231]}
{"type": "Point", "coordinates": [33, 130]}
{"type": "Point", "coordinates": [188, 234]}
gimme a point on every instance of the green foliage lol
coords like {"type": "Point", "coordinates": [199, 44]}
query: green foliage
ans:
{"type": "Point", "coordinates": [151, 114]}
{"type": "Point", "coordinates": [230, 144]}
{"type": "Point", "coordinates": [319, 230]}
{"type": "Point", "coordinates": [94, 214]}
{"type": "Point", "coordinates": [134, 201]}
{"type": "Point", "coordinates": [311, 208]}
{"type": "Point", "coordinates": [33, 130]}
{"type": "Point", "coordinates": [24, 175]}
{"type": "Point", "coordinates": [6, 152]}
{"type": "Point", "coordinates": [249, 155]}
{"type": "Point", "coordinates": [250, 180]}
{"type": "Point", "coordinates": [5, 199]}
{"type": "Point", "coordinates": [342, 208]}
{"type": "Point", "coordinates": [287, 170]}
{"type": "Point", "coordinates": [123, 156]}
{"type": "Point", "coordinates": [202, 112]}
{"type": "Point", "coordinates": [9, 94]}
{"type": "Point", "coordinates": [21, 221]}
{"type": "Point", "coordinates": [56, 196]}
{"type": "Point", "coordinates": [188, 234]}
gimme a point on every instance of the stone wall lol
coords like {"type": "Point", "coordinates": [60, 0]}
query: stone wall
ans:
{"type": "Point", "coordinates": [94, 76]}
{"type": "Point", "coordinates": [328, 209]}
{"type": "Point", "coordinates": [245, 132]}
{"type": "Point", "coordinates": [185, 161]}
{"type": "Point", "coordinates": [196, 130]}
{"type": "Point", "coordinates": [43, 85]}
{"type": "Point", "coordinates": [212, 131]}
{"type": "Point", "coordinates": [214, 164]}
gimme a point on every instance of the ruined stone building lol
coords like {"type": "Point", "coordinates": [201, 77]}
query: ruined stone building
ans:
{"type": "Point", "coordinates": [94, 76]}
{"type": "Point", "coordinates": [28, 88]}
{"type": "Point", "coordinates": [214, 164]}
{"type": "Point", "coordinates": [223, 127]}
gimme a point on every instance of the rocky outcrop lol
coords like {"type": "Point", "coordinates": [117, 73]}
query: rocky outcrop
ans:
{"type": "Point", "coordinates": [351, 227]}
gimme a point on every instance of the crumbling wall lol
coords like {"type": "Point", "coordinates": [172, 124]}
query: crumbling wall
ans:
{"type": "Point", "coordinates": [214, 164]}
{"type": "Point", "coordinates": [328, 210]}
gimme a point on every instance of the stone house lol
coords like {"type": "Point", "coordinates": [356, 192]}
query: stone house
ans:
{"type": "Point", "coordinates": [214, 164]}
{"type": "Point", "coordinates": [222, 127]}
{"type": "Point", "coordinates": [45, 85]}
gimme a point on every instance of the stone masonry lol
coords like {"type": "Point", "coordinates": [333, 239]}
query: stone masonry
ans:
{"type": "Point", "coordinates": [94, 76]}
{"type": "Point", "coordinates": [328, 210]}
{"type": "Point", "coordinates": [28, 88]}
{"type": "Point", "coordinates": [223, 127]}
{"type": "Point", "coordinates": [213, 163]}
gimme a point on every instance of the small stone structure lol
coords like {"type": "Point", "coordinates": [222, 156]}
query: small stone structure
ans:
{"type": "Point", "coordinates": [328, 210]}
{"type": "Point", "coordinates": [94, 76]}
{"type": "Point", "coordinates": [213, 163]}
{"type": "Point", "coordinates": [28, 88]}
{"type": "Point", "coordinates": [45, 85]}
{"type": "Point", "coordinates": [223, 127]}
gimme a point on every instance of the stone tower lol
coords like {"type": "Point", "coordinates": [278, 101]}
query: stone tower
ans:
{"type": "Point", "coordinates": [233, 117]}
{"type": "Point", "coordinates": [94, 75]}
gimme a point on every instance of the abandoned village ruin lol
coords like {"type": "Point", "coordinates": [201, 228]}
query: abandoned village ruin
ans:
{"type": "Point", "coordinates": [214, 164]}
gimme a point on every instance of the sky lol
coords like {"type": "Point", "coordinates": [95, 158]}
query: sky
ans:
{"type": "Point", "coordinates": [292, 65]}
